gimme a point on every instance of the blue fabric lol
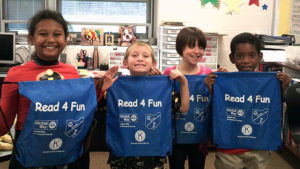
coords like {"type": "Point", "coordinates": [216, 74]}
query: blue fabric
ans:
{"type": "Point", "coordinates": [138, 121]}
{"type": "Point", "coordinates": [193, 127]}
{"type": "Point", "coordinates": [247, 110]}
{"type": "Point", "coordinates": [59, 117]}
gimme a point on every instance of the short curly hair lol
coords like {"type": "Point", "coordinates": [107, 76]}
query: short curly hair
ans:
{"type": "Point", "coordinates": [46, 14]}
{"type": "Point", "coordinates": [246, 37]}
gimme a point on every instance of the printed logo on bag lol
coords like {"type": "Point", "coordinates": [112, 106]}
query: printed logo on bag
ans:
{"type": "Point", "coordinates": [128, 120]}
{"type": "Point", "coordinates": [74, 127]}
{"type": "Point", "coordinates": [234, 114]}
{"type": "Point", "coordinates": [152, 121]}
{"type": "Point", "coordinates": [140, 136]}
{"type": "Point", "coordinates": [260, 116]}
{"type": "Point", "coordinates": [133, 117]}
{"type": "Point", "coordinates": [55, 144]}
{"type": "Point", "coordinates": [45, 124]}
{"type": "Point", "coordinates": [52, 125]}
{"type": "Point", "coordinates": [189, 126]}
{"type": "Point", "coordinates": [200, 114]}
{"type": "Point", "coordinates": [246, 130]}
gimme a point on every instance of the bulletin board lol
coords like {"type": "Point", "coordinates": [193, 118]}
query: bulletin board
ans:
{"type": "Point", "coordinates": [295, 20]}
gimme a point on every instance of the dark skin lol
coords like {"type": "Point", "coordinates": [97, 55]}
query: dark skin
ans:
{"type": "Point", "coordinates": [246, 58]}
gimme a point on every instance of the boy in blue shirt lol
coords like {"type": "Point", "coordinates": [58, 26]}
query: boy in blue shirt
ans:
{"type": "Point", "coordinates": [246, 55]}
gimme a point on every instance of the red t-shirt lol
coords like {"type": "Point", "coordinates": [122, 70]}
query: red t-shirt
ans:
{"type": "Point", "coordinates": [12, 103]}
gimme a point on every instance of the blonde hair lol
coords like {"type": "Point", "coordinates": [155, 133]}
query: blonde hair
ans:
{"type": "Point", "coordinates": [139, 43]}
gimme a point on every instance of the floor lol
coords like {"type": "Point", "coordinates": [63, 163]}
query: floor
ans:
{"type": "Point", "coordinates": [279, 160]}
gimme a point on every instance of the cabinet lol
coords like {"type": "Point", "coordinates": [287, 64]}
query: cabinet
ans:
{"type": "Point", "coordinates": [169, 56]}
{"type": "Point", "coordinates": [294, 72]}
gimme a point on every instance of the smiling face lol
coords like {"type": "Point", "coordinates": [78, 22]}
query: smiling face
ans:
{"type": "Point", "coordinates": [48, 39]}
{"type": "Point", "coordinates": [139, 61]}
{"type": "Point", "coordinates": [192, 55]}
{"type": "Point", "coordinates": [245, 57]}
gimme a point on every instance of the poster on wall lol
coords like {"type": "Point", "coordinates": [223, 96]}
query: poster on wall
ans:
{"type": "Point", "coordinates": [92, 36]}
{"type": "Point", "coordinates": [127, 35]}
{"type": "Point", "coordinates": [295, 20]}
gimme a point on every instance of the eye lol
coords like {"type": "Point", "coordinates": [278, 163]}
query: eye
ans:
{"type": "Point", "coordinates": [253, 55]}
{"type": "Point", "coordinates": [57, 34]}
{"type": "Point", "coordinates": [239, 56]}
{"type": "Point", "coordinates": [43, 34]}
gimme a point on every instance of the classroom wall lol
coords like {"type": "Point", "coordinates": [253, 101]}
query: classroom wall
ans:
{"type": "Point", "coordinates": [284, 17]}
{"type": "Point", "coordinates": [211, 19]}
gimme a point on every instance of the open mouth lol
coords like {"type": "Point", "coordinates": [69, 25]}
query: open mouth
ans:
{"type": "Point", "coordinates": [195, 57]}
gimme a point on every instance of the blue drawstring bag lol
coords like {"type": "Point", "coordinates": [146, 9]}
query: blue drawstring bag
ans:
{"type": "Point", "coordinates": [247, 110]}
{"type": "Point", "coordinates": [192, 127]}
{"type": "Point", "coordinates": [57, 122]}
{"type": "Point", "coordinates": [138, 120]}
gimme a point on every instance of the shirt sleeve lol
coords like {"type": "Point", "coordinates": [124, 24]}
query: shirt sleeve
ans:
{"type": "Point", "coordinates": [9, 106]}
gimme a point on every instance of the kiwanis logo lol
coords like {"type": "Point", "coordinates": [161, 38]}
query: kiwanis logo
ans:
{"type": "Point", "coordinates": [189, 126]}
{"type": "Point", "coordinates": [55, 144]}
{"type": "Point", "coordinates": [246, 129]}
{"type": "Point", "coordinates": [140, 136]}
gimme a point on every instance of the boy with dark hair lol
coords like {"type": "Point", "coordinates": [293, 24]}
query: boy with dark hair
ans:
{"type": "Point", "coordinates": [246, 55]}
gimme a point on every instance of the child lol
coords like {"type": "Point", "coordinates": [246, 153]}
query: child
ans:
{"type": "Point", "coordinates": [246, 55]}
{"type": "Point", "coordinates": [190, 45]}
{"type": "Point", "coordinates": [47, 32]}
{"type": "Point", "coordinates": [139, 59]}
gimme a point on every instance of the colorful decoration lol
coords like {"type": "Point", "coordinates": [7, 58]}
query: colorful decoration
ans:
{"type": "Point", "coordinates": [233, 5]}
{"type": "Point", "coordinates": [214, 2]}
{"type": "Point", "coordinates": [265, 7]}
{"type": "Point", "coordinates": [256, 2]}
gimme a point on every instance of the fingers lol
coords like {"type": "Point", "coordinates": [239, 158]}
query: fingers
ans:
{"type": "Point", "coordinates": [112, 71]}
{"type": "Point", "coordinates": [222, 69]}
{"type": "Point", "coordinates": [155, 71]}
{"type": "Point", "coordinates": [99, 75]}
{"type": "Point", "coordinates": [174, 74]}
{"type": "Point", "coordinates": [211, 75]}
{"type": "Point", "coordinates": [115, 78]}
{"type": "Point", "coordinates": [283, 77]}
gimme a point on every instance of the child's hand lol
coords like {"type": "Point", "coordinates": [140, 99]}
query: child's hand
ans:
{"type": "Point", "coordinates": [222, 69]}
{"type": "Point", "coordinates": [184, 89]}
{"type": "Point", "coordinates": [155, 71]}
{"type": "Point", "coordinates": [284, 79]}
{"type": "Point", "coordinates": [177, 75]}
{"type": "Point", "coordinates": [209, 81]}
{"type": "Point", "coordinates": [108, 77]}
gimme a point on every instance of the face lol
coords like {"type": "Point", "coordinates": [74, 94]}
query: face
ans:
{"type": "Point", "coordinates": [139, 61]}
{"type": "Point", "coordinates": [192, 55]}
{"type": "Point", "coordinates": [49, 40]}
{"type": "Point", "coordinates": [245, 57]}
